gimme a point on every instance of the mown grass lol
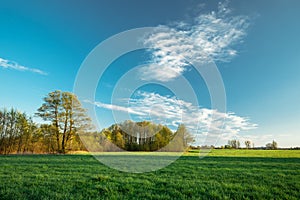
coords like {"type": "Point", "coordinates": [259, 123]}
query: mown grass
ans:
{"type": "Point", "coordinates": [224, 174]}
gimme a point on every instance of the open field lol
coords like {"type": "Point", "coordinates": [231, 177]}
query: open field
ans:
{"type": "Point", "coordinates": [224, 174]}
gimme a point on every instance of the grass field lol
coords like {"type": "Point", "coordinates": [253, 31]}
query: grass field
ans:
{"type": "Point", "coordinates": [224, 174]}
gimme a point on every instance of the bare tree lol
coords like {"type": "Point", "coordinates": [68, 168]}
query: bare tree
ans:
{"type": "Point", "coordinates": [235, 144]}
{"type": "Point", "coordinates": [248, 144]}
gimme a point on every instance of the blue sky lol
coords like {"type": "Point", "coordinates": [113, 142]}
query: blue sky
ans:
{"type": "Point", "coordinates": [43, 44]}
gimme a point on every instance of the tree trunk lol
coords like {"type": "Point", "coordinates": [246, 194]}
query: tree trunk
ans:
{"type": "Point", "coordinates": [57, 129]}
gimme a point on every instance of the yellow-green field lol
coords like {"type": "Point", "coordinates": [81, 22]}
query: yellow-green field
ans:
{"type": "Point", "coordinates": [223, 174]}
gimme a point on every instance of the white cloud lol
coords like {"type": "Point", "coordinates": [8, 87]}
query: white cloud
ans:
{"type": "Point", "coordinates": [13, 65]}
{"type": "Point", "coordinates": [170, 111]}
{"type": "Point", "coordinates": [210, 37]}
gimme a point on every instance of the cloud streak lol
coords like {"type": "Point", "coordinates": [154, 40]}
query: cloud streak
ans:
{"type": "Point", "coordinates": [209, 37]}
{"type": "Point", "coordinates": [117, 108]}
{"type": "Point", "coordinates": [172, 112]}
{"type": "Point", "coordinates": [7, 64]}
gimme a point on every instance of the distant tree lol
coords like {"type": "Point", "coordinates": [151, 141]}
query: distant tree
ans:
{"type": "Point", "coordinates": [248, 144]}
{"type": "Point", "coordinates": [235, 144]}
{"type": "Point", "coordinates": [63, 110]}
{"type": "Point", "coordinates": [182, 138]}
{"type": "Point", "coordinates": [269, 146]}
{"type": "Point", "coordinates": [272, 145]}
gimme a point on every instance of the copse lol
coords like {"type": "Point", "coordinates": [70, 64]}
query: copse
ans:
{"type": "Point", "coordinates": [18, 133]}
{"type": "Point", "coordinates": [234, 144]}
{"type": "Point", "coordinates": [142, 136]}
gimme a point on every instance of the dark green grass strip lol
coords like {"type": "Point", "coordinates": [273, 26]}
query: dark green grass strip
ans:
{"type": "Point", "coordinates": [214, 177]}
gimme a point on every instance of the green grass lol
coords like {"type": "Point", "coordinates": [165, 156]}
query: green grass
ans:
{"type": "Point", "coordinates": [224, 174]}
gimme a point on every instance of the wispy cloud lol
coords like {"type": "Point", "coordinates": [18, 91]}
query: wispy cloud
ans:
{"type": "Point", "coordinates": [8, 64]}
{"type": "Point", "coordinates": [116, 107]}
{"type": "Point", "coordinates": [172, 112]}
{"type": "Point", "coordinates": [209, 37]}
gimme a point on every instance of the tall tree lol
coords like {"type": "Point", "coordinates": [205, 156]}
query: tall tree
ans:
{"type": "Point", "coordinates": [63, 110]}
{"type": "Point", "coordinates": [182, 139]}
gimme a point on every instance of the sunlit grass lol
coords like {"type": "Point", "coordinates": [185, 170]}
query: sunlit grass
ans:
{"type": "Point", "coordinates": [252, 153]}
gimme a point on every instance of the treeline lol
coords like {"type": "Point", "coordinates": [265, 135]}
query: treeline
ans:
{"type": "Point", "coordinates": [139, 136]}
{"type": "Point", "coordinates": [19, 134]}
{"type": "Point", "coordinates": [235, 144]}
{"type": "Point", "coordinates": [65, 119]}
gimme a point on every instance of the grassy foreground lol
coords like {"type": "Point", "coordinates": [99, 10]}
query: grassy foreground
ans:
{"type": "Point", "coordinates": [224, 174]}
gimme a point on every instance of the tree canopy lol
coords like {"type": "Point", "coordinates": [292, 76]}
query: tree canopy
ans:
{"type": "Point", "coordinates": [66, 117]}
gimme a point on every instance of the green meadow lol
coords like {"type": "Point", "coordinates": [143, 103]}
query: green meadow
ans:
{"type": "Point", "coordinates": [223, 174]}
